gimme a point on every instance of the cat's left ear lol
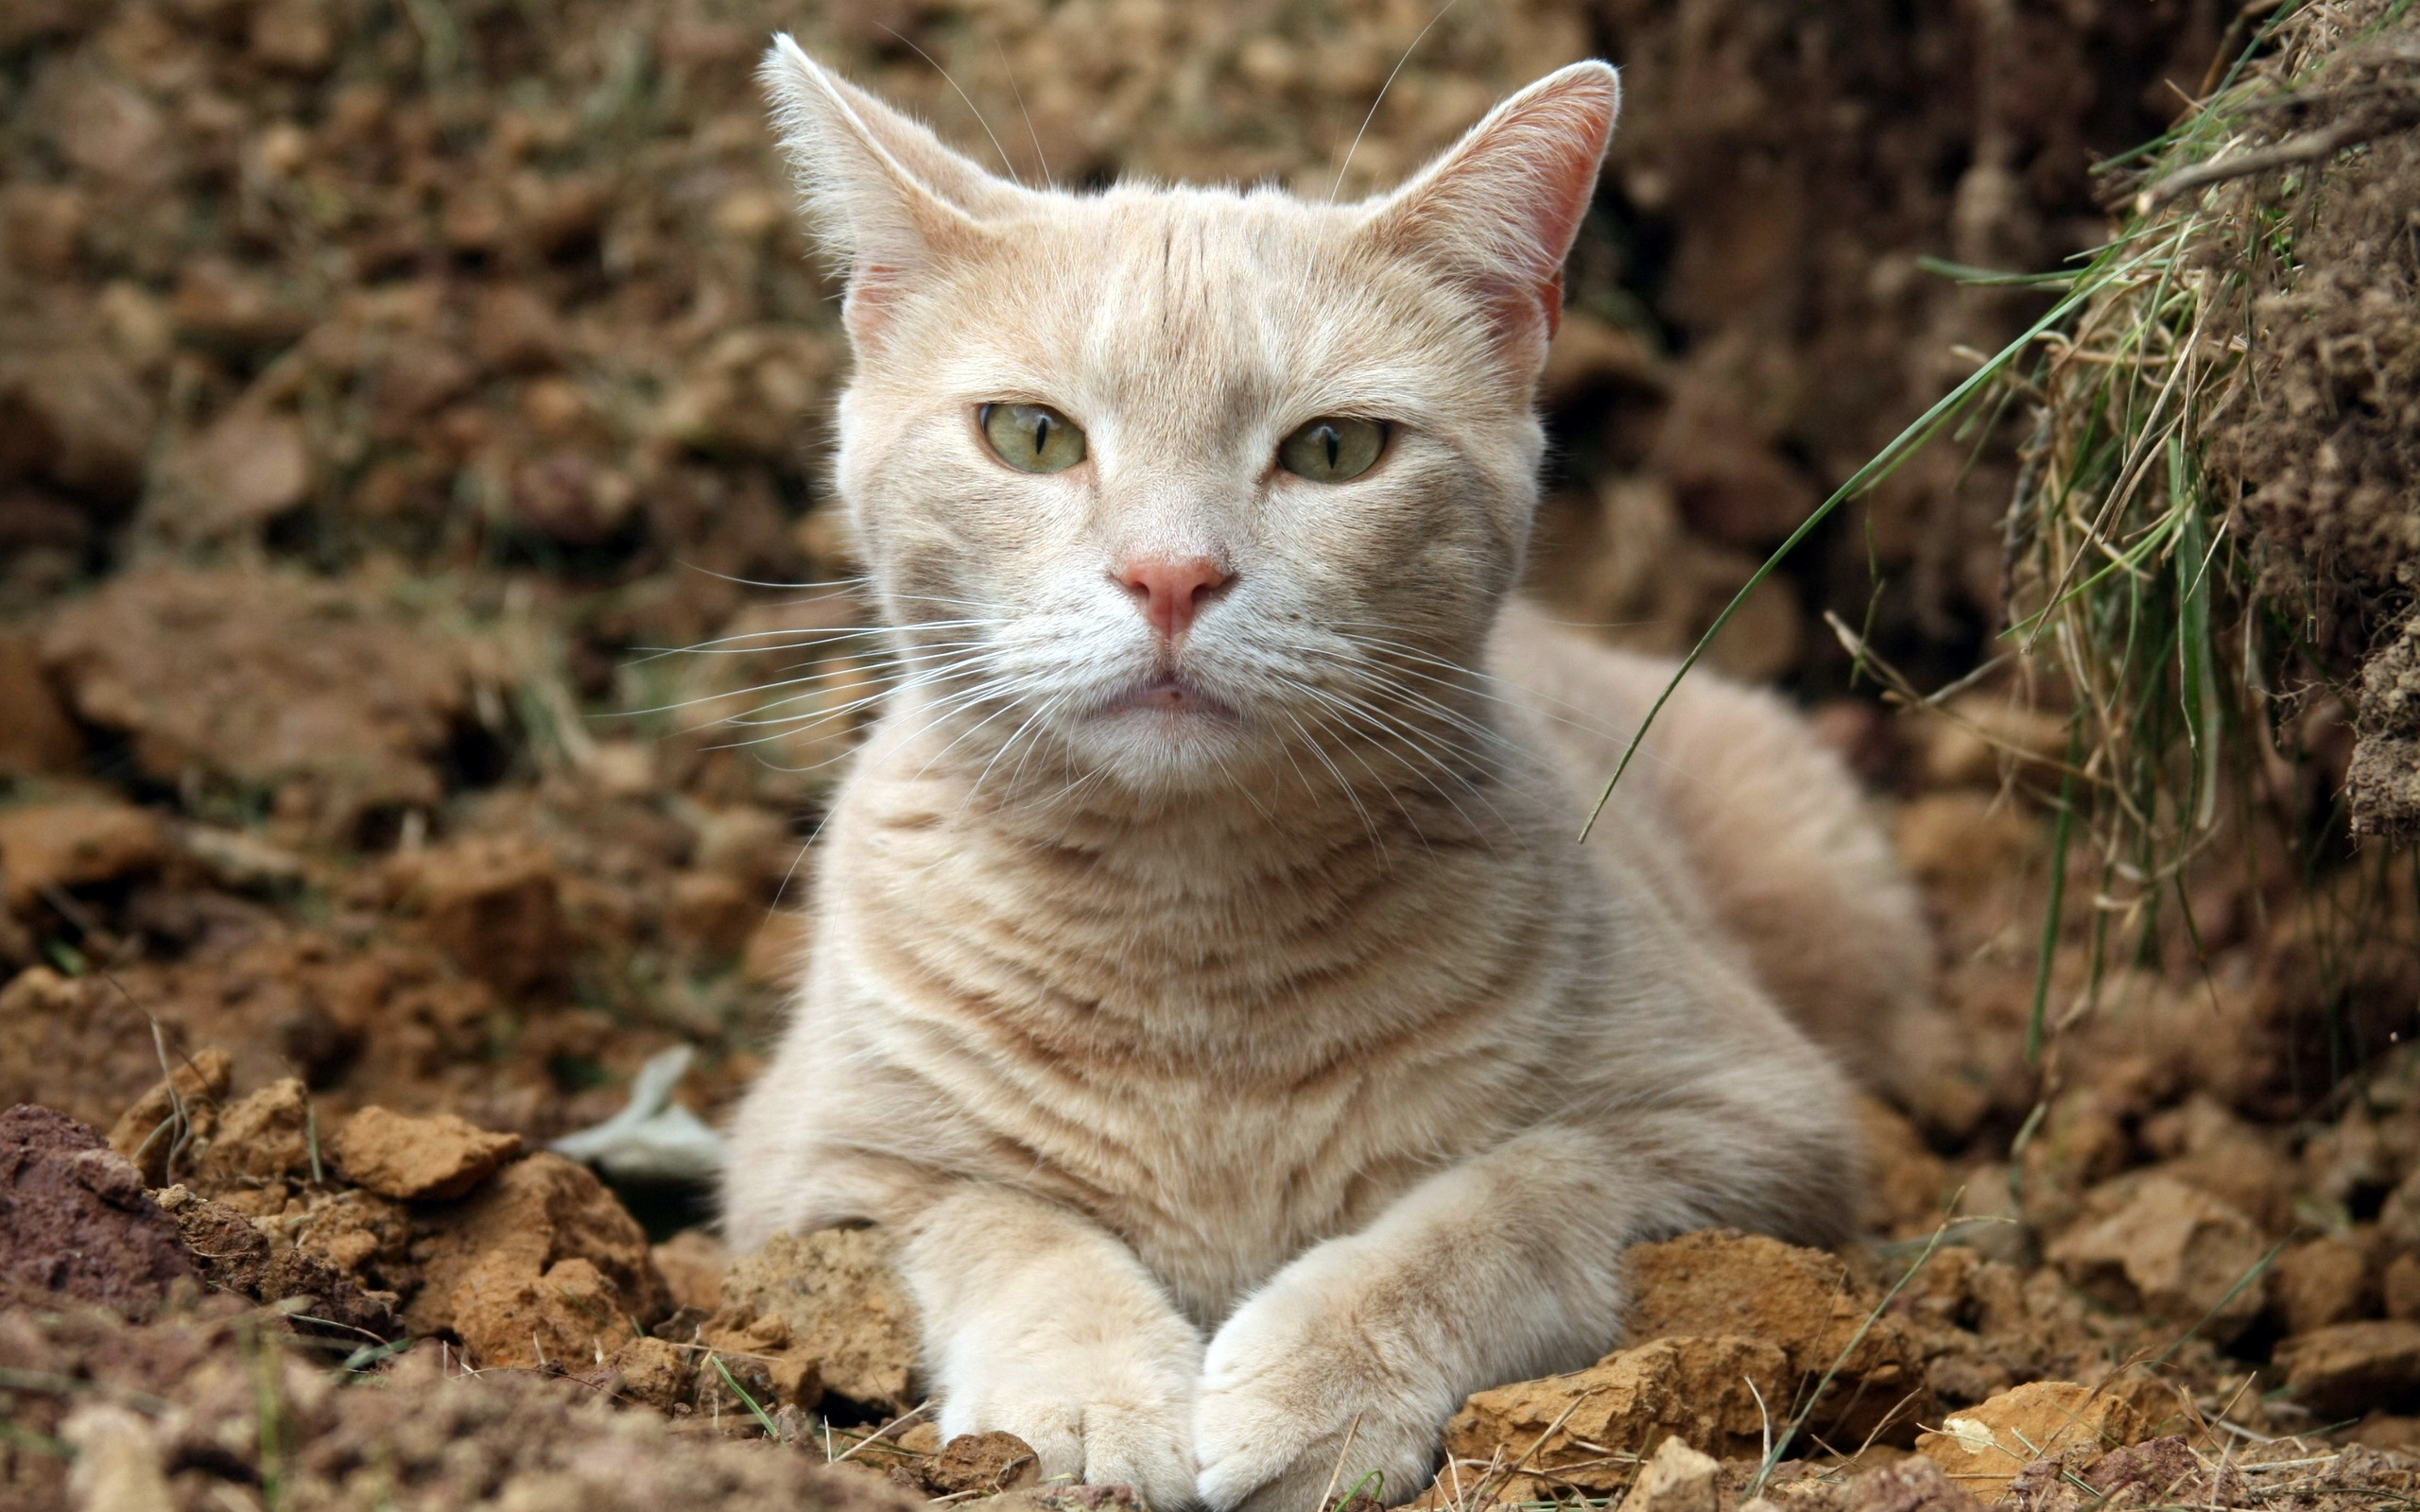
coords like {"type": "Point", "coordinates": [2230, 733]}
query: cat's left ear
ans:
{"type": "Point", "coordinates": [1497, 212]}
{"type": "Point", "coordinates": [886, 197]}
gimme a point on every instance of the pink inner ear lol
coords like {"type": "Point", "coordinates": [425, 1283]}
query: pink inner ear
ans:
{"type": "Point", "coordinates": [1499, 212]}
{"type": "Point", "coordinates": [1525, 314]}
{"type": "Point", "coordinates": [865, 309]}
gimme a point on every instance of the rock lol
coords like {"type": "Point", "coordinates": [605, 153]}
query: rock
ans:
{"type": "Point", "coordinates": [517, 330]}
{"type": "Point", "coordinates": [219, 305]}
{"type": "Point", "coordinates": [2348, 1368]}
{"type": "Point", "coordinates": [982, 1465]}
{"type": "Point", "coordinates": [919, 1438]}
{"type": "Point", "coordinates": [232, 478]}
{"type": "Point", "coordinates": [1907, 1186]}
{"type": "Point", "coordinates": [2209, 1147]}
{"type": "Point", "coordinates": [1677, 1479]}
{"type": "Point", "coordinates": [2161, 1248]}
{"type": "Point", "coordinates": [1984, 1448]}
{"type": "Point", "coordinates": [365, 1236]}
{"type": "Point", "coordinates": [432, 1159]}
{"type": "Point", "coordinates": [255, 682]}
{"type": "Point", "coordinates": [425, 1437]}
{"type": "Point", "coordinates": [1966, 846]}
{"type": "Point", "coordinates": [147, 1134]}
{"type": "Point", "coordinates": [2400, 1287]}
{"type": "Point", "coordinates": [74, 843]}
{"type": "Point", "coordinates": [292, 36]}
{"type": "Point", "coordinates": [1720, 1284]}
{"type": "Point", "coordinates": [36, 736]}
{"type": "Point", "coordinates": [572, 500]}
{"type": "Point", "coordinates": [262, 1139]}
{"type": "Point", "coordinates": [760, 1361]}
{"type": "Point", "coordinates": [74, 1044]}
{"type": "Point", "coordinates": [2157, 1469]}
{"type": "Point", "coordinates": [241, 860]}
{"type": "Point", "coordinates": [1589, 353]}
{"type": "Point", "coordinates": [539, 1263]}
{"type": "Point", "coordinates": [752, 845]}
{"type": "Point", "coordinates": [2320, 1282]}
{"type": "Point", "coordinates": [118, 1464]}
{"type": "Point", "coordinates": [1704, 1391]}
{"type": "Point", "coordinates": [42, 228]}
{"type": "Point", "coordinates": [78, 417]}
{"type": "Point", "coordinates": [494, 904]}
{"type": "Point", "coordinates": [655, 1373]}
{"type": "Point", "coordinates": [1983, 739]}
{"type": "Point", "coordinates": [2347, 1157]}
{"type": "Point", "coordinates": [693, 1263]}
{"type": "Point", "coordinates": [742, 396]}
{"type": "Point", "coordinates": [2388, 1430]}
{"type": "Point", "coordinates": [75, 1224]}
{"type": "Point", "coordinates": [843, 1307]}
{"type": "Point", "coordinates": [238, 1254]}
{"type": "Point", "coordinates": [1082, 1499]}
{"type": "Point", "coordinates": [1735, 485]}
{"type": "Point", "coordinates": [1915, 1483]}
{"type": "Point", "coordinates": [2382, 781]}
{"type": "Point", "coordinates": [711, 915]}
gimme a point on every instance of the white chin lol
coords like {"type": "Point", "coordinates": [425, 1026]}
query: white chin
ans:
{"type": "Point", "coordinates": [1162, 747]}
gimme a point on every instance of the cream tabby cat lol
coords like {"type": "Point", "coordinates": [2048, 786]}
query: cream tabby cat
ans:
{"type": "Point", "coordinates": [1206, 984]}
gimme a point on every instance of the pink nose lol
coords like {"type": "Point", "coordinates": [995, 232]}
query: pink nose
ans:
{"type": "Point", "coordinates": [1172, 591]}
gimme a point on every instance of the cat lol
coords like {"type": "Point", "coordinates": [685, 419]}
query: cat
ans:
{"type": "Point", "coordinates": [1206, 986]}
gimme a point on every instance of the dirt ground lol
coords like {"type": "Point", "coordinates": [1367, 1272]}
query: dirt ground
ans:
{"type": "Point", "coordinates": [386, 388]}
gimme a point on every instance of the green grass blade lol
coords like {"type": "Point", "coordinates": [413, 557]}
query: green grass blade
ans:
{"type": "Point", "coordinates": [1885, 462]}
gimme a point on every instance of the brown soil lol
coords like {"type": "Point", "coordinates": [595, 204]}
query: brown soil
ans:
{"type": "Point", "coordinates": [75, 1224]}
{"type": "Point", "coordinates": [418, 1158]}
{"type": "Point", "coordinates": [379, 386]}
{"type": "Point", "coordinates": [2320, 439]}
{"type": "Point", "coordinates": [210, 1408]}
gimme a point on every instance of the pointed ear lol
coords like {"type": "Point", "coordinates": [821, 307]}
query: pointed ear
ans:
{"type": "Point", "coordinates": [885, 197]}
{"type": "Point", "coordinates": [1497, 212]}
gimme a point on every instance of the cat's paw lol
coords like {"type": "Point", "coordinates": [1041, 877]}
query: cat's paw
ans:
{"type": "Point", "coordinates": [1090, 1431]}
{"type": "Point", "coordinates": [1292, 1402]}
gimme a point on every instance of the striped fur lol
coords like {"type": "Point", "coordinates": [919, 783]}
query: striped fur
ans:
{"type": "Point", "coordinates": [1275, 1069]}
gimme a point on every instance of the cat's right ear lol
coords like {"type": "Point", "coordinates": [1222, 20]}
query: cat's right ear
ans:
{"type": "Point", "coordinates": [885, 197]}
{"type": "Point", "coordinates": [1497, 212]}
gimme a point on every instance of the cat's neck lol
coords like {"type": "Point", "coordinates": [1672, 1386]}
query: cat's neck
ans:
{"type": "Point", "coordinates": [1273, 923]}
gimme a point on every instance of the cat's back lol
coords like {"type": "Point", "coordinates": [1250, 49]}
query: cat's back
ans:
{"type": "Point", "coordinates": [1773, 832]}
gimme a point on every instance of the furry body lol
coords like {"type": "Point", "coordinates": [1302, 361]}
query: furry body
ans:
{"type": "Point", "coordinates": [1252, 1059]}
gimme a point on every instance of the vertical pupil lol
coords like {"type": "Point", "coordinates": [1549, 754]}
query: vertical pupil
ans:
{"type": "Point", "coordinates": [1329, 439]}
{"type": "Point", "coordinates": [1041, 432]}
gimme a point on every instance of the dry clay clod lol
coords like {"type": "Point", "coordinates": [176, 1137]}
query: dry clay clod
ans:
{"type": "Point", "coordinates": [418, 1159]}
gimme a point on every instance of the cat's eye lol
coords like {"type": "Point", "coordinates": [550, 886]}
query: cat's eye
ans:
{"type": "Point", "coordinates": [1032, 437]}
{"type": "Point", "coordinates": [1333, 448]}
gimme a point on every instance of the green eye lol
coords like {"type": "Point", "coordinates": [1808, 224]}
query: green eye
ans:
{"type": "Point", "coordinates": [1032, 437]}
{"type": "Point", "coordinates": [1333, 448]}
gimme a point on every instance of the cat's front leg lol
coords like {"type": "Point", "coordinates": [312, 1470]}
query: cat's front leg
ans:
{"type": "Point", "coordinates": [1042, 1324]}
{"type": "Point", "coordinates": [1353, 1357]}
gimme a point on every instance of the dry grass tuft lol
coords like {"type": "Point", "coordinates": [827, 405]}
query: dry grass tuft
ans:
{"type": "Point", "coordinates": [2190, 636]}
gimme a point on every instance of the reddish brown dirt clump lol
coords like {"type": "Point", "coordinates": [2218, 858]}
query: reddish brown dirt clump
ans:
{"type": "Point", "coordinates": [76, 1223]}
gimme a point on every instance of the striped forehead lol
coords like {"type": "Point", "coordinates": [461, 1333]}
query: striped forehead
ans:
{"type": "Point", "coordinates": [1218, 303]}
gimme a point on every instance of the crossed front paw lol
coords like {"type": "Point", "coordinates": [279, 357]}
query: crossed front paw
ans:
{"type": "Point", "coordinates": [1279, 1421]}
{"type": "Point", "coordinates": [1138, 1439]}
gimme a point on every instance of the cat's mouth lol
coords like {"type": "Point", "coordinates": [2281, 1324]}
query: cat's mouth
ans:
{"type": "Point", "coordinates": [1168, 693]}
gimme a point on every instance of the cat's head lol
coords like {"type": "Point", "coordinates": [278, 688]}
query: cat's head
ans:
{"type": "Point", "coordinates": [1169, 484]}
